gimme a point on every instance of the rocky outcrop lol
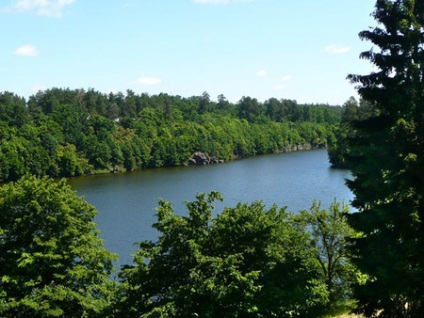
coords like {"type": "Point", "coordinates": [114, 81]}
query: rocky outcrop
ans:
{"type": "Point", "coordinates": [114, 169]}
{"type": "Point", "coordinates": [200, 159]}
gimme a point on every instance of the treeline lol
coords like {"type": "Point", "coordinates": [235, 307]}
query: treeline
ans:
{"type": "Point", "coordinates": [64, 133]}
{"type": "Point", "coordinates": [52, 275]}
{"type": "Point", "coordinates": [353, 112]}
{"type": "Point", "coordinates": [248, 261]}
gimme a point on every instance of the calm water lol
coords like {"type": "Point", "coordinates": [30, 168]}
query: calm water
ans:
{"type": "Point", "coordinates": [126, 202]}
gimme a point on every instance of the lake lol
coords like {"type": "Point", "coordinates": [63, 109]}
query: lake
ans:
{"type": "Point", "coordinates": [126, 201]}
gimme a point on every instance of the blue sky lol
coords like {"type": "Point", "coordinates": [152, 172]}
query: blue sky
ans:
{"type": "Point", "coordinates": [295, 49]}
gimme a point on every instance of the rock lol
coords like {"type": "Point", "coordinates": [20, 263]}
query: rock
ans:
{"type": "Point", "coordinates": [200, 159]}
{"type": "Point", "coordinates": [192, 162]}
{"type": "Point", "coordinates": [114, 170]}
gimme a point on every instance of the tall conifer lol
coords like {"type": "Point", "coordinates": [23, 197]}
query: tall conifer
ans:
{"type": "Point", "coordinates": [387, 160]}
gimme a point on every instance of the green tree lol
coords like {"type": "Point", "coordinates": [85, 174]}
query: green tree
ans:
{"type": "Point", "coordinates": [339, 149]}
{"type": "Point", "coordinates": [249, 108]}
{"type": "Point", "coordinates": [247, 262]}
{"type": "Point", "coordinates": [223, 105]}
{"type": "Point", "coordinates": [60, 129]}
{"type": "Point", "coordinates": [352, 113]}
{"type": "Point", "coordinates": [204, 103]}
{"type": "Point", "coordinates": [271, 243]}
{"type": "Point", "coordinates": [12, 163]}
{"type": "Point", "coordinates": [13, 109]}
{"type": "Point", "coordinates": [68, 161]}
{"type": "Point", "coordinates": [330, 234]}
{"type": "Point", "coordinates": [52, 263]}
{"type": "Point", "coordinates": [274, 109]}
{"type": "Point", "coordinates": [387, 160]}
{"type": "Point", "coordinates": [162, 272]}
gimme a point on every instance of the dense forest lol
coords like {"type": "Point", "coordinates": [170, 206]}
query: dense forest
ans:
{"type": "Point", "coordinates": [64, 133]}
{"type": "Point", "coordinates": [248, 261]}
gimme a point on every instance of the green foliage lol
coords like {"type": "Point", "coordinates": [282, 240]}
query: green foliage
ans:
{"type": "Point", "coordinates": [13, 110]}
{"type": "Point", "coordinates": [387, 160]}
{"type": "Point", "coordinates": [52, 263]}
{"type": "Point", "coordinates": [339, 148]}
{"type": "Point", "coordinates": [63, 132]}
{"type": "Point", "coordinates": [248, 261]}
{"type": "Point", "coordinates": [331, 234]}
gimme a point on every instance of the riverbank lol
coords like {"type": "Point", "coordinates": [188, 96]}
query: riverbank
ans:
{"type": "Point", "coordinates": [199, 158]}
{"type": "Point", "coordinates": [126, 201]}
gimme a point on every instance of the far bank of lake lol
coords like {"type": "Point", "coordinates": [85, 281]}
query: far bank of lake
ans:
{"type": "Point", "coordinates": [126, 202]}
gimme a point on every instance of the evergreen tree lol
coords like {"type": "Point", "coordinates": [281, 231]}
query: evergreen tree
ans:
{"type": "Point", "coordinates": [387, 160]}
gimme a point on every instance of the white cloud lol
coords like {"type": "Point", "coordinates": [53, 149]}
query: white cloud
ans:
{"type": "Point", "coordinates": [286, 78]}
{"type": "Point", "coordinates": [282, 86]}
{"type": "Point", "coordinates": [26, 50]}
{"type": "Point", "coordinates": [261, 73]}
{"type": "Point", "coordinates": [51, 8]}
{"type": "Point", "coordinates": [149, 81]}
{"type": "Point", "coordinates": [337, 49]}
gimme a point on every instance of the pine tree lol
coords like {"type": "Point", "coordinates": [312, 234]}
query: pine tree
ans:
{"type": "Point", "coordinates": [387, 160]}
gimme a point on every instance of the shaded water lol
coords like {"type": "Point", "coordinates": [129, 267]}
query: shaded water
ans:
{"type": "Point", "coordinates": [126, 202]}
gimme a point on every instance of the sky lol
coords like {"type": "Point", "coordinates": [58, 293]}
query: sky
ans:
{"type": "Point", "coordinates": [291, 49]}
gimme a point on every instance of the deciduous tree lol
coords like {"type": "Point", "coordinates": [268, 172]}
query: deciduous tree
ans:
{"type": "Point", "coordinates": [52, 261]}
{"type": "Point", "coordinates": [330, 234]}
{"type": "Point", "coordinates": [247, 262]}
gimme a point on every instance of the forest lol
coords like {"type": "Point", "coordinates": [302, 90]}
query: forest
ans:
{"type": "Point", "coordinates": [248, 260]}
{"type": "Point", "coordinates": [65, 133]}
{"type": "Point", "coordinates": [59, 266]}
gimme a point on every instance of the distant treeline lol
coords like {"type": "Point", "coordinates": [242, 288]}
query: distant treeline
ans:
{"type": "Point", "coordinates": [64, 132]}
{"type": "Point", "coordinates": [353, 112]}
